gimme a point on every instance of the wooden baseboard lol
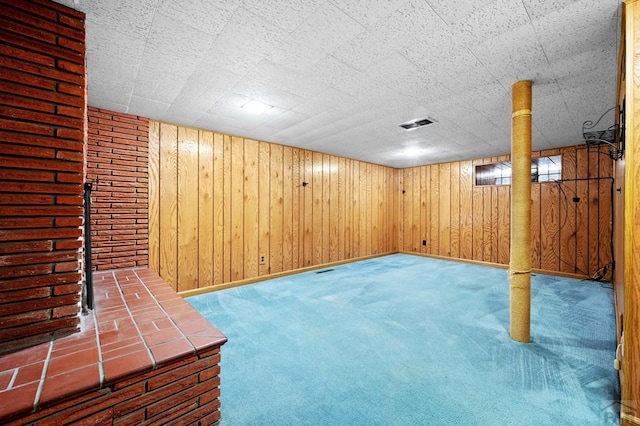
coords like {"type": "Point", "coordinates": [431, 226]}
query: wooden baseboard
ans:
{"type": "Point", "coordinates": [629, 420]}
{"type": "Point", "coordinates": [497, 265]}
{"type": "Point", "coordinates": [239, 283]}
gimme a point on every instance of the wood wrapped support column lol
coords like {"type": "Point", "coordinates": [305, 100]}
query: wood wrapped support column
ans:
{"type": "Point", "coordinates": [520, 255]}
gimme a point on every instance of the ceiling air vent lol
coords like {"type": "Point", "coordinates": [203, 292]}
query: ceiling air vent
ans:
{"type": "Point", "coordinates": [414, 124]}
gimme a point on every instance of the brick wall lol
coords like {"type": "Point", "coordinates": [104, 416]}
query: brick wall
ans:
{"type": "Point", "coordinates": [117, 165]}
{"type": "Point", "coordinates": [42, 128]}
{"type": "Point", "coordinates": [184, 392]}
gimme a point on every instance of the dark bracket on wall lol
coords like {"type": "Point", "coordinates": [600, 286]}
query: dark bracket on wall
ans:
{"type": "Point", "coordinates": [612, 136]}
{"type": "Point", "coordinates": [87, 289]}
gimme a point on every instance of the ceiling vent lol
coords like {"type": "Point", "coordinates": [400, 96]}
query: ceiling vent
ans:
{"type": "Point", "coordinates": [414, 124]}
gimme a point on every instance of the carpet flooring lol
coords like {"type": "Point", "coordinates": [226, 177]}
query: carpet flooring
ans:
{"type": "Point", "coordinates": [408, 340]}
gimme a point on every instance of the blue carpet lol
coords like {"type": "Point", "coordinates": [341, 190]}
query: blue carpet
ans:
{"type": "Point", "coordinates": [407, 340]}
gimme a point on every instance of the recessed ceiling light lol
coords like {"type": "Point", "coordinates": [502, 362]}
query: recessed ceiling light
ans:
{"type": "Point", "coordinates": [256, 107]}
{"type": "Point", "coordinates": [414, 124]}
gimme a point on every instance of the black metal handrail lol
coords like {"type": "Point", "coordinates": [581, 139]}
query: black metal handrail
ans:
{"type": "Point", "coordinates": [88, 277]}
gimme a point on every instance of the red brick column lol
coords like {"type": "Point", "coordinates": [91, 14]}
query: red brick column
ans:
{"type": "Point", "coordinates": [42, 116]}
{"type": "Point", "coordinates": [118, 167]}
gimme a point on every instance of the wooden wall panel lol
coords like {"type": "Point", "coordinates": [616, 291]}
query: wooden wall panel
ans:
{"type": "Point", "coordinates": [226, 199]}
{"type": "Point", "coordinates": [154, 195]}
{"type": "Point", "coordinates": [218, 203]}
{"type": "Point", "coordinates": [187, 263]}
{"type": "Point", "coordinates": [206, 216]}
{"type": "Point", "coordinates": [237, 209]}
{"type": "Point", "coordinates": [454, 190]}
{"type": "Point", "coordinates": [274, 202]}
{"type": "Point", "coordinates": [568, 212]}
{"type": "Point", "coordinates": [466, 210]}
{"type": "Point", "coordinates": [472, 222]}
{"type": "Point", "coordinates": [444, 209]}
{"type": "Point", "coordinates": [434, 213]}
{"type": "Point", "coordinates": [251, 187]}
{"type": "Point", "coordinates": [288, 183]}
{"type": "Point", "coordinates": [334, 209]}
{"type": "Point", "coordinates": [168, 203]}
{"type": "Point", "coordinates": [264, 204]}
{"type": "Point", "coordinates": [220, 188]}
{"type": "Point", "coordinates": [504, 224]}
{"type": "Point", "coordinates": [536, 221]}
{"type": "Point", "coordinates": [418, 197]}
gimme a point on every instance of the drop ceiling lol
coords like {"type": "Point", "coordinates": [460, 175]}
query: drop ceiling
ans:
{"type": "Point", "coordinates": [339, 76]}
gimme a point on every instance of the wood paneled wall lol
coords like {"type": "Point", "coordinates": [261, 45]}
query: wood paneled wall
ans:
{"type": "Point", "coordinates": [441, 205]}
{"type": "Point", "coordinates": [218, 204]}
{"type": "Point", "coordinates": [630, 381]}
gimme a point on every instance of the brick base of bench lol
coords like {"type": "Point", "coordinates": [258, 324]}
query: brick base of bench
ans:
{"type": "Point", "coordinates": [145, 357]}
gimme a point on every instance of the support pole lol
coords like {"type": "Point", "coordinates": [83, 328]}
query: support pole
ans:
{"type": "Point", "coordinates": [520, 255]}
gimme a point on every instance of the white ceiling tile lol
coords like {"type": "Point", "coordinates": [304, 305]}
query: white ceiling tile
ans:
{"type": "Point", "coordinates": [489, 21]}
{"type": "Point", "coordinates": [454, 10]}
{"type": "Point", "coordinates": [154, 108]}
{"type": "Point", "coordinates": [127, 17]}
{"type": "Point", "coordinates": [267, 94]}
{"type": "Point", "coordinates": [286, 79]}
{"type": "Point", "coordinates": [245, 41]}
{"type": "Point", "coordinates": [367, 12]}
{"type": "Point", "coordinates": [341, 75]}
{"type": "Point", "coordinates": [285, 14]}
{"type": "Point", "coordinates": [209, 16]}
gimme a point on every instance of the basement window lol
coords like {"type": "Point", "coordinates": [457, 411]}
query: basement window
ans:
{"type": "Point", "coordinates": [543, 169]}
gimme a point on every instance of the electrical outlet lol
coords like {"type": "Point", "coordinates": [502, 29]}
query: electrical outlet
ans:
{"type": "Point", "coordinates": [424, 243]}
{"type": "Point", "coordinates": [262, 259]}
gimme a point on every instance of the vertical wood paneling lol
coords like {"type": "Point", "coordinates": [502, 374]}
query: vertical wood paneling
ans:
{"type": "Point", "coordinates": [251, 204]}
{"type": "Point", "coordinates": [288, 183]}
{"type": "Point", "coordinates": [418, 196]}
{"type": "Point", "coordinates": [407, 207]}
{"type": "Point", "coordinates": [264, 205]}
{"type": "Point", "coordinates": [342, 213]}
{"type": "Point", "coordinates": [274, 203]}
{"type": "Point", "coordinates": [473, 222]}
{"type": "Point", "coordinates": [334, 213]}
{"type": "Point", "coordinates": [223, 202]}
{"type": "Point", "coordinates": [594, 208]}
{"type": "Point", "coordinates": [168, 235]}
{"type": "Point", "coordinates": [374, 210]}
{"type": "Point", "coordinates": [477, 227]}
{"type": "Point", "coordinates": [444, 209]}
{"type": "Point", "coordinates": [536, 220]}
{"type": "Point", "coordinates": [365, 214]}
{"type": "Point", "coordinates": [317, 231]}
{"type": "Point", "coordinates": [220, 232]}
{"type": "Point", "coordinates": [226, 199]}
{"type": "Point", "coordinates": [466, 210]}
{"type": "Point", "coordinates": [568, 209]}
{"type": "Point", "coordinates": [434, 214]}
{"type": "Point", "coordinates": [307, 252]}
{"type": "Point", "coordinates": [296, 203]}
{"type": "Point", "coordinates": [454, 192]}
{"type": "Point", "coordinates": [504, 224]}
{"type": "Point", "coordinates": [424, 210]}
{"type": "Point", "coordinates": [326, 208]}
{"type": "Point", "coordinates": [487, 224]}
{"type": "Point", "coordinates": [154, 195]}
{"type": "Point", "coordinates": [187, 209]}
{"type": "Point", "coordinates": [237, 209]}
{"type": "Point", "coordinates": [206, 216]}
{"type": "Point", "coordinates": [220, 202]}
{"type": "Point", "coordinates": [550, 227]}
{"type": "Point", "coordinates": [349, 213]}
